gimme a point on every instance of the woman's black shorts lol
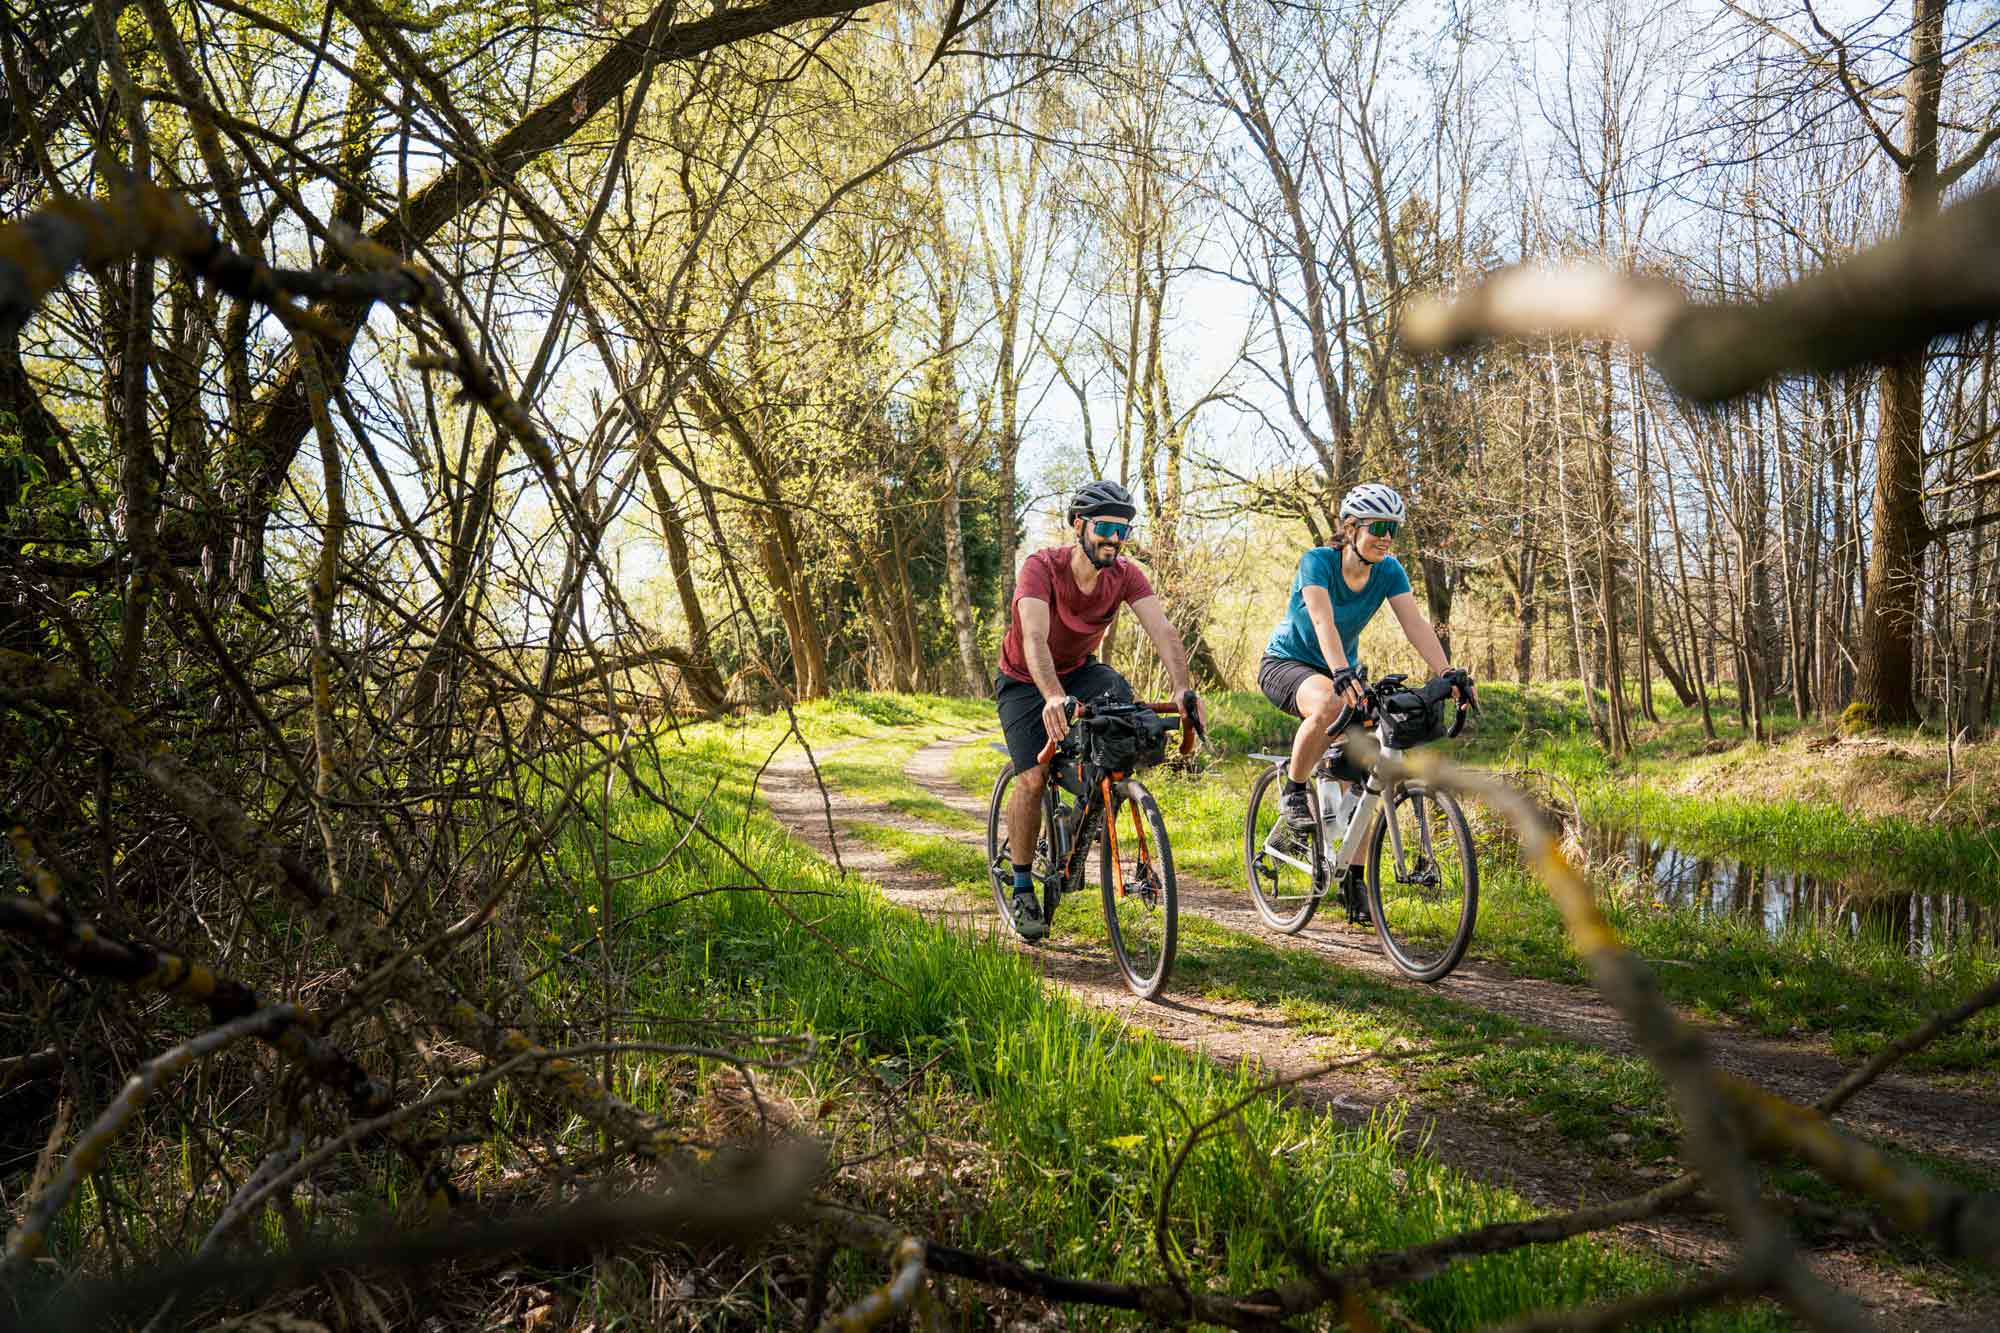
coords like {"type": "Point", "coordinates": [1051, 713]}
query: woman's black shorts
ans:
{"type": "Point", "coordinates": [1280, 678]}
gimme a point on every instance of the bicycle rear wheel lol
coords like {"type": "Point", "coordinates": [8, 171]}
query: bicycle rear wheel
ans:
{"type": "Point", "coordinates": [999, 863]}
{"type": "Point", "coordinates": [1423, 882]}
{"type": "Point", "coordinates": [1141, 908]}
{"type": "Point", "coordinates": [1281, 882]}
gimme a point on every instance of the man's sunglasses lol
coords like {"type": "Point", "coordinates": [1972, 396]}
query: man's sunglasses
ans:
{"type": "Point", "coordinates": [1383, 527]}
{"type": "Point", "coordinates": [1105, 527]}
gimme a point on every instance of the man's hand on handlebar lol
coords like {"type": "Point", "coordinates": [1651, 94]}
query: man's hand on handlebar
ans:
{"type": "Point", "coordinates": [1195, 710]}
{"type": "Point", "coordinates": [1056, 714]}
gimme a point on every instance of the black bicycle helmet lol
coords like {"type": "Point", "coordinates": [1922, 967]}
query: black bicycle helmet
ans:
{"type": "Point", "coordinates": [1095, 498]}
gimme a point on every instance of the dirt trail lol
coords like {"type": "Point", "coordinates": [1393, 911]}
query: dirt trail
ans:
{"type": "Point", "coordinates": [1232, 1031]}
{"type": "Point", "coordinates": [1898, 1109]}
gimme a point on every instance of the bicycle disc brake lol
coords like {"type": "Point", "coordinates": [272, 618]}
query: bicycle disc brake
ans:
{"type": "Point", "coordinates": [1145, 885]}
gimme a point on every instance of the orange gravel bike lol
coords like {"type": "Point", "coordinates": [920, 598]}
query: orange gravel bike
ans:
{"type": "Point", "coordinates": [1091, 787]}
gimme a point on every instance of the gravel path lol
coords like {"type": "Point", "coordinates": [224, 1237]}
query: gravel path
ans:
{"type": "Point", "coordinates": [1500, 1154]}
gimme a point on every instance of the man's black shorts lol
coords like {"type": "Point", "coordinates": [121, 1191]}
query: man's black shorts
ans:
{"type": "Point", "coordinates": [1021, 706]}
{"type": "Point", "coordinates": [1280, 678]}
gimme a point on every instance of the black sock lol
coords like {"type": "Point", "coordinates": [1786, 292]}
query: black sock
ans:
{"type": "Point", "coordinates": [1024, 877]}
{"type": "Point", "coordinates": [1293, 788]}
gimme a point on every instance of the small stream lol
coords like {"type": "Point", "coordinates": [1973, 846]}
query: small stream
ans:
{"type": "Point", "coordinates": [1926, 924]}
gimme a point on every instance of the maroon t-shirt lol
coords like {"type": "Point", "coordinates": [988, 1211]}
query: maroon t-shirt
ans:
{"type": "Point", "coordinates": [1077, 620]}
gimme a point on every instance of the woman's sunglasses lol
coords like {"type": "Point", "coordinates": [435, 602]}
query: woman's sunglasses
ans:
{"type": "Point", "coordinates": [1383, 527]}
{"type": "Point", "coordinates": [1116, 532]}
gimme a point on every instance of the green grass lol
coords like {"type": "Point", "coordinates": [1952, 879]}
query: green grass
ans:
{"type": "Point", "coordinates": [1073, 1114]}
{"type": "Point", "coordinates": [1856, 992]}
{"type": "Point", "coordinates": [1809, 836]}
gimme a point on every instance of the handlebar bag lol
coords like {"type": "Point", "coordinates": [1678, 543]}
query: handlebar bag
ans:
{"type": "Point", "coordinates": [1408, 719]}
{"type": "Point", "coordinates": [1125, 738]}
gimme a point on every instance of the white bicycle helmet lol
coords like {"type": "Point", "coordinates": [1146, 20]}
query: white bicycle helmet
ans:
{"type": "Point", "coordinates": [1372, 500]}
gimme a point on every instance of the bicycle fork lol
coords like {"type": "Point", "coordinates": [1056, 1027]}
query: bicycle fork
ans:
{"type": "Point", "coordinates": [1111, 842]}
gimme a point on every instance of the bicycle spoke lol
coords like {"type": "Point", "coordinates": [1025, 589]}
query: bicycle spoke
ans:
{"type": "Point", "coordinates": [999, 858]}
{"type": "Point", "coordinates": [1281, 882]}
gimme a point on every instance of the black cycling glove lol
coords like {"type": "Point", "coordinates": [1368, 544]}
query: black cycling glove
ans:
{"type": "Point", "coordinates": [1191, 716]}
{"type": "Point", "coordinates": [1343, 678]}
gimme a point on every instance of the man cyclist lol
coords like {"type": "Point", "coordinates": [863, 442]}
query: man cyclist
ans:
{"type": "Point", "coordinates": [1309, 667]}
{"type": "Point", "coordinates": [1064, 600]}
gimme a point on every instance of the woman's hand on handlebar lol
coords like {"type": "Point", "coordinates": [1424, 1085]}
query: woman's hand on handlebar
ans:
{"type": "Point", "coordinates": [1462, 687]}
{"type": "Point", "coordinates": [1347, 687]}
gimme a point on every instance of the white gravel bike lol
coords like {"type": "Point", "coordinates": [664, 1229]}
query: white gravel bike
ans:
{"type": "Point", "coordinates": [1402, 859]}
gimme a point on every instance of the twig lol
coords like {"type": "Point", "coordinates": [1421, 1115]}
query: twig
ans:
{"type": "Point", "coordinates": [27, 1240]}
{"type": "Point", "coordinates": [1907, 1045]}
{"type": "Point", "coordinates": [1936, 278]}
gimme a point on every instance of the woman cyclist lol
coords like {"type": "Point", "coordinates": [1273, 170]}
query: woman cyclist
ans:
{"type": "Point", "coordinates": [1309, 667]}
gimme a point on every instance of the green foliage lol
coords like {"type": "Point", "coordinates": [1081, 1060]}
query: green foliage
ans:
{"type": "Point", "coordinates": [1072, 1110]}
{"type": "Point", "coordinates": [1240, 721]}
{"type": "Point", "coordinates": [891, 710]}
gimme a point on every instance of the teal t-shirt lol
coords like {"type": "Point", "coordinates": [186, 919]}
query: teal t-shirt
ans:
{"type": "Point", "coordinates": [1294, 638]}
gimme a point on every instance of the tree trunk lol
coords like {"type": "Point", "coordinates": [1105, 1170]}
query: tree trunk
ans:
{"type": "Point", "coordinates": [959, 587]}
{"type": "Point", "coordinates": [1437, 597]}
{"type": "Point", "coordinates": [1597, 723]}
{"type": "Point", "coordinates": [704, 682]}
{"type": "Point", "coordinates": [778, 543]}
{"type": "Point", "coordinates": [1886, 684]}
{"type": "Point", "coordinates": [1606, 493]}
{"type": "Point", "coordinates": [1682, 690]}
{"type": "Point", "coordinates": [1687, 612]}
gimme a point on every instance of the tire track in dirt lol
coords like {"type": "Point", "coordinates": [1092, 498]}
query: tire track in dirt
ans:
{"type": "Point", "coordinates": [1231, 1032]}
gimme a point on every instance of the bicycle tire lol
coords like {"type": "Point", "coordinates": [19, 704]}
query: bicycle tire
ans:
{"type": "Point", "coordinates": [1425, 913]}
{"type": "Point", "coordinates": [999, 862]}
{"type": "Point", "coordinates": [1144, 921]}
{"type": "Point", "coordinates": [1282, 911]}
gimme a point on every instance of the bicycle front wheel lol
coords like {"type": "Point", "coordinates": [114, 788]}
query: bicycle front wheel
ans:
{"type": "Point", "coordinates": [1423, 880]}
{"type": "Point", "coordinates": [1141, 910]}
{"type": "Point", "coordinates": [1281, 875]}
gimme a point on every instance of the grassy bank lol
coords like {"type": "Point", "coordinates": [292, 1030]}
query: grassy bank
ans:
{"type": "Point", "coordinates": [1054, 1123]}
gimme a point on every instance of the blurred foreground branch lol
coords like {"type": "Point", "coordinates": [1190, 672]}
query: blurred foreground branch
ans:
{"type": "Point", "coordinates": [1931, 280]}
{"type": "Point", "coordinates": [742, 1200]}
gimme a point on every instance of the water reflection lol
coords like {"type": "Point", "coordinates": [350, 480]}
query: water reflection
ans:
{"type": "Point", "coordinates": [1925, 924]}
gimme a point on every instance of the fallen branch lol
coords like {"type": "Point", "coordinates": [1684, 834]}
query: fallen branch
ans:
{"type": "Point", "coordinates": [728, 1208]}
